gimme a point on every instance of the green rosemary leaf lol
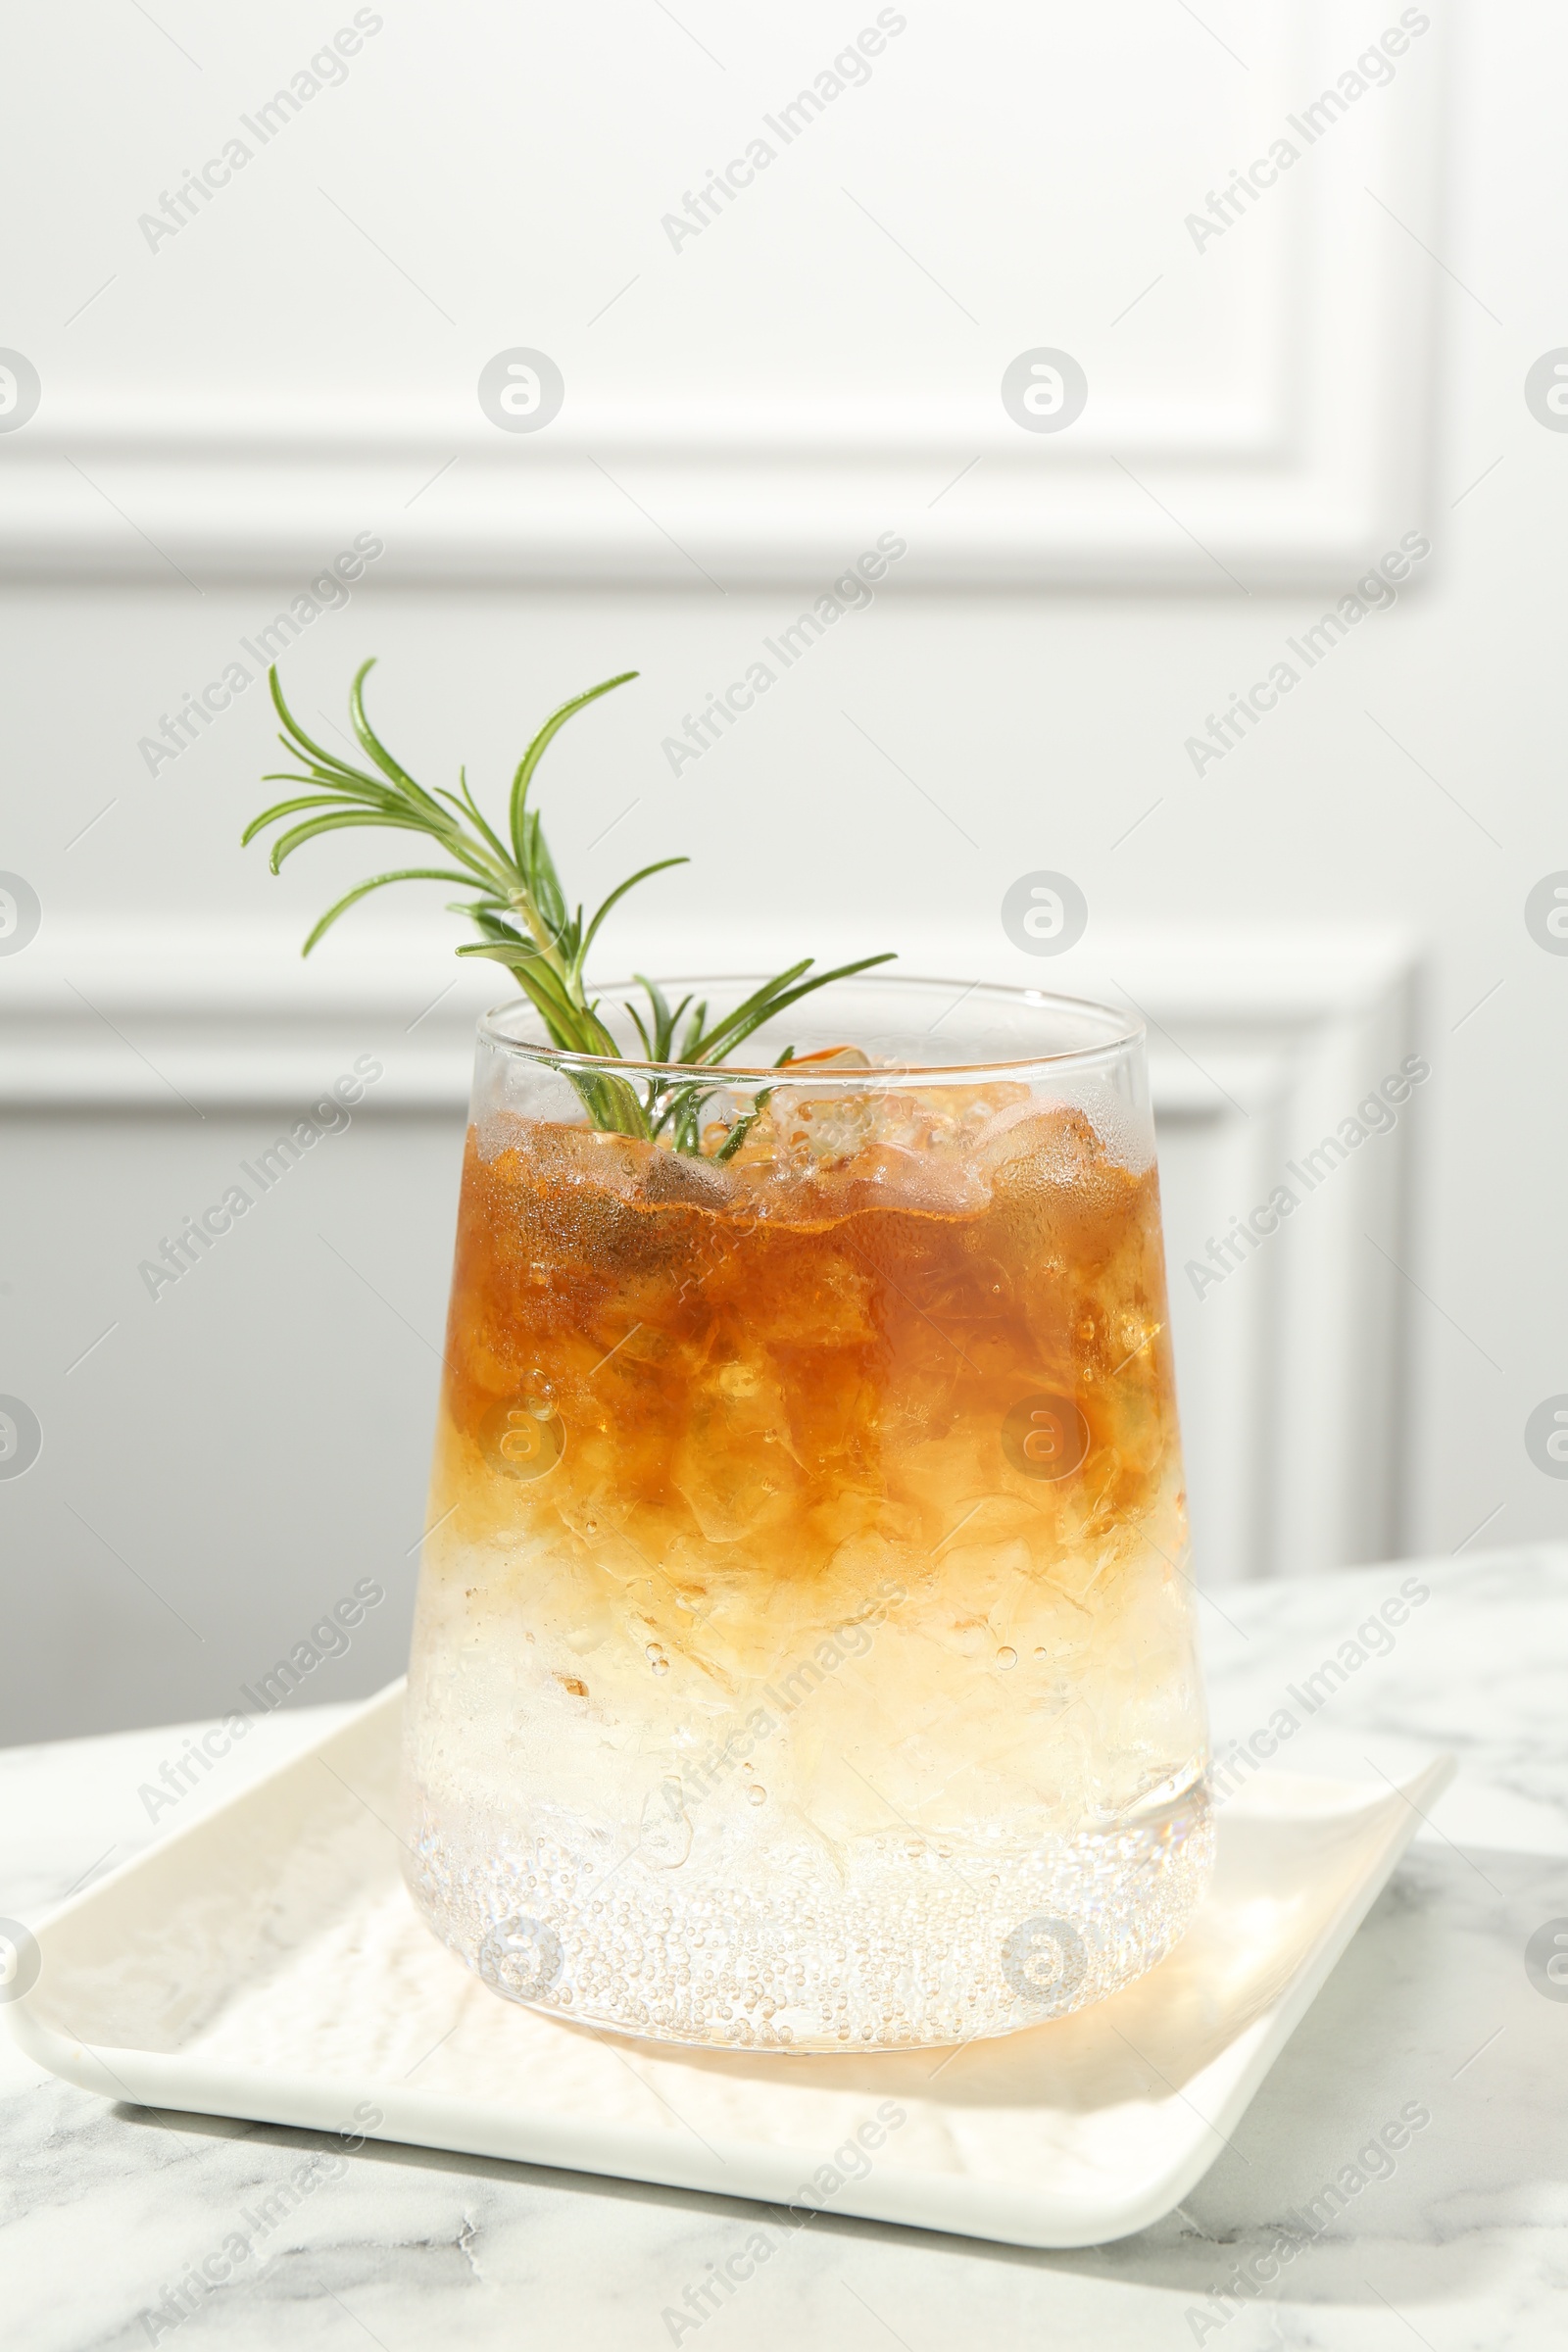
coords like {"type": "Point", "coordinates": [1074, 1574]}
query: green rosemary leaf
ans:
{"type": "Point", "coordinates": [706, 1048]}
{"type": "Point", "coordinates": [734, 1035]}
{"type": "Point", "coordinates": [520, 954]}
{"type": "Point", "coordinates": [546, 881]}
{"type": "Point", "coordinates": [748, 1119]}
{"type": "Point", "coordinates": [407, 873]}
{"type": "Point", "coordinates": [480, 911]}
{"type": "Point", "coordinates": [495, 920]}
{"type": "Point", "coordinates": [738, 1133]}
{"type": "Point", "coordinates": [664, 1020]}
{"type": "Point", "coordinates": [682, 1113]}
{"type": "Point", "coordinates": [371, 741]}
{"type": "Point", "coordinates": [284, 809]}
{"type": "Point", "coordinates": [312, 750]}
{"type": "Point", "coordinates": [363, 791]}
{"type": "Point", "coordinates": [541, 744]}
{"type": "Point", "coordinates": [687, 1050]}
{"type": "Point", "coordinates": [466, 806]}
{"type": "Point", "coordinates": [648, 1043]}
{"type": "Point", "coordinates": [617, 895]}
{"type": "Point", "coordinates": [289, 843]}
{"type": "Point", "coordinates": [575, 1028]}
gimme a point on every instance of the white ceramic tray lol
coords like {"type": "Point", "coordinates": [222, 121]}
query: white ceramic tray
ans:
{"type": "Point", "coordinates": [266, 1963]}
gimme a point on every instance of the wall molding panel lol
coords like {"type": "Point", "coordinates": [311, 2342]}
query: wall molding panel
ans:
{"type": "Point", "coordinates": [1255, 417]}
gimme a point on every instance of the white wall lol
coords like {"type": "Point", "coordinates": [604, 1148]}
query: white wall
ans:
{"type": "Point", "coordinates": [266, 384]}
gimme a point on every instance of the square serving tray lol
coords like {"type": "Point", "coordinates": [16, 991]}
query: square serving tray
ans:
{"type": "Point", "coordinates": [266, 1963]}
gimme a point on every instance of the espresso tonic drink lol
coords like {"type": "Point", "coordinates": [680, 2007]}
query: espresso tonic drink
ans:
{"type": "Point", "coordinates": [805, 1651]}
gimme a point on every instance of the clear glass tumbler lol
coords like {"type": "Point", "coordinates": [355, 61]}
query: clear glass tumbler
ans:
{"type": "Point", "coordinates": [805, 1653]}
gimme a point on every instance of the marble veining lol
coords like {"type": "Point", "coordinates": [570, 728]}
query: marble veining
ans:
{"type": "Point", "coordinates": [1459, 2239]}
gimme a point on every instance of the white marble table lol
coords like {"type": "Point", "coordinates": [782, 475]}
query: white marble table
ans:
{"type": "Point", "coordinates": [1464, 2244]}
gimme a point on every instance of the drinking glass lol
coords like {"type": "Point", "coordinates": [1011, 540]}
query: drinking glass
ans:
{"type": "Point", "coordinates": [805, 1653]}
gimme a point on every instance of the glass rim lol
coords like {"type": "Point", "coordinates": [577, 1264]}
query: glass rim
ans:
{"type": "Point", "coordinates": [1124, 1030]}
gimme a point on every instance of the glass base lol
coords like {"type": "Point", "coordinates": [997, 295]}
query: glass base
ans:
{"type": "Point", "coordinates": [899, 1941]}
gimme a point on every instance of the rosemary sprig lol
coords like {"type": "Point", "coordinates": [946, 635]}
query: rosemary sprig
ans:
{"type": "Point", "coordinates": [517, 905]}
